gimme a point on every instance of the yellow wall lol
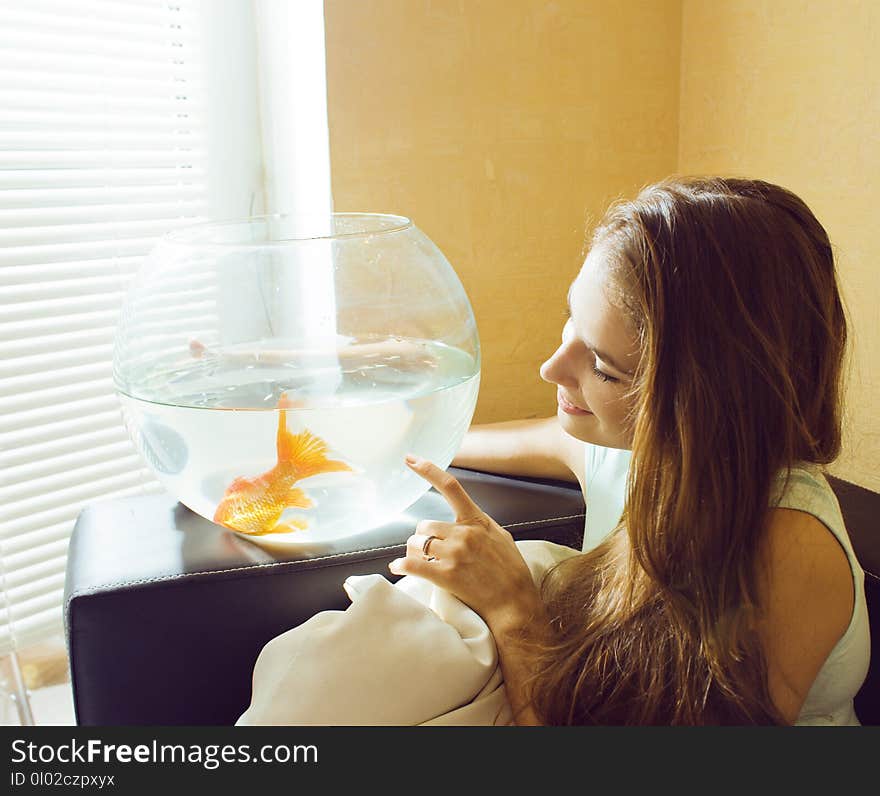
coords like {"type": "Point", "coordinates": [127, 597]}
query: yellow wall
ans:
{"type": "Point", "coordinates": [790, 92]}
{"type": "Point", "coordinates": [497, 127]}
{"type": "Point", "coordinates": [504, 129]}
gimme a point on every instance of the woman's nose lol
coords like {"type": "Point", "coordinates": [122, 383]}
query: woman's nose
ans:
{"type": "Point", "coordinates": [557, 369]}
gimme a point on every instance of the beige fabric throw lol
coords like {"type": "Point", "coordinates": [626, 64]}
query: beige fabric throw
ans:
{"type": "Point", "coordinates": [401, 654]}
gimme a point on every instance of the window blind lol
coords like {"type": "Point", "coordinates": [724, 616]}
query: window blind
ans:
{"type": "Point", "coordinates": [104, 122]}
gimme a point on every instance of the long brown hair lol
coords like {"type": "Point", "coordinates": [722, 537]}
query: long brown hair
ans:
{"type": "Point", "coordinates": [730, 286]}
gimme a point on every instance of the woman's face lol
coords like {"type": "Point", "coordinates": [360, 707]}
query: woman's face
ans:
{"type": "Point", "coordinates": [594, 365]}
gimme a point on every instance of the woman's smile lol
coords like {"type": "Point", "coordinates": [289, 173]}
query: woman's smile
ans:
{"type": "Point", "coordinates": [569, 407]}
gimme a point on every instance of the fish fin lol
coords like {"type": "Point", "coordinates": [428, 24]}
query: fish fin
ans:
{"type": "Point", "coordinates": [305, 454]}
{"type": "Point", "coordinates": [239, 484]}
{"type": "Point", "coordinates": [296, 524]}
{"type": "Point", "coordinates": [289, 527]}
{"type": "Point", "coordinates": [298, 499]}
{"type": "Point", "coordinates": [246, 519]}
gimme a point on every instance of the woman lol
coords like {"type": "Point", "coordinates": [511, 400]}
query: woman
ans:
{"type": "Point", "coordinates": [699, 391]}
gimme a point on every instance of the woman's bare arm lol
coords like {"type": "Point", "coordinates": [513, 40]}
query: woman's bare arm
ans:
{"type": "Point", "coordinates": [535, 448]}
{"type": "Point", "coordinates": [808, 594]}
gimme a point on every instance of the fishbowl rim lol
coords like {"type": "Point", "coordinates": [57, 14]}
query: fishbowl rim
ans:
{"type": "Point", "coordinates": [178, 237]}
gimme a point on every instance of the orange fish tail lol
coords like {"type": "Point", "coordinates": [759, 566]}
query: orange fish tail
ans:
{"type": "Point", "coordinates": [304, 454]}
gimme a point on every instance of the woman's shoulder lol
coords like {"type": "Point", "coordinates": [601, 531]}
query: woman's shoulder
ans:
{"type": "Point", "coordinates": [795, 537]}
{"type": "Point", "coordinates": [805, 487]}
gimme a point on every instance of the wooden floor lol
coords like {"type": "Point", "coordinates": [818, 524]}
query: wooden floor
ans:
{"type": "Point", "coordinates": [46, 675]}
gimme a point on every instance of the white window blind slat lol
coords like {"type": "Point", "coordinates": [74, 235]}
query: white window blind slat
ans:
{"type": "Point", "coordinates": [32, 346]}
{"type": "Point", "coordinates": [13, 141]}
{"type": "Point", "coordinates": [44, 18]}
{"type": "Point", "coordinates": [27, 118]}
{"type": "Point", "coordinates": [36, 572]}
{"type": "Point", "coordinates": [146, 86]}
{"type": "Point", "coordinates": [188, 286]}
{"type": "Point", "coordinates": [12, 59]}
{"type": "Point", "coordinates": [156, 307]}
{"type": "Point", "coordinates": [135, 12]}
{"type": "Point", "coordinates": [30, 630]}
{"type": "Point", "coordinates": [35, 605]}
{"type": "Point", "coordinates": [68, 271]}
{"type": "Point", "coordinates": [25, 401]}
{"type": "Point", "coordinates": [38, 538]}
{"type": "Point", "coordinates": [64, 498]}
{"type": "Point", "coordinates": [67, 513]}
{"type": "Point", "coordinates": [34, 619]}
{"type": "Point", "coordinates": [98, 249]}
{"type": "Point", "coordinates": [34, 555]}
{"type": "Point", "coordinates": [65, 464]}
{"type": "Point", "coordinates": [57, 413]}
{"type": "Point", "coordinates": [37, 587]}
{"type": "Point", "coordinates": [52, 431]}
{"type": "Point", "coordinates": [89, 276]}
{"type": "Point", "coordinates": [17, 495]}
{"type": "Point", "coordinates": [46, 312]}
{"type": "Point", "coordinates": [24, 119]}
{"type": "Point", "coordinates": [110, 85]}
{"type": "Point", "coordinates": [62, 446]}
{"type": "Point", "coordinates": [88, 159]}
{"type": "Point", "coordinates": [55, 362]}
{"type": "Point", "coordinates": [79, 178]}
{"type": "Point", "coordinates": [58, 289]}
{"type": "Point", "coordinates": [92, 215]}
{"type": "Point", "coordinates": [43, 23]}
{"type": "Point", "coordinates": [164, 48]}
{"type": "Point", "coordinates": [178, 105]}
{"type": "Point", "coordinates": [57, 323]}
{"type": "Point", "coordinates": [106, 195]}
{"type": "Point", "coordinates": [202, 319]}
{"type": "Point", "coordinates": [202, 304]}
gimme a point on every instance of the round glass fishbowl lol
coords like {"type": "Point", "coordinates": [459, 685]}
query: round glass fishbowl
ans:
{"type": "Point", "coordinates": [274, 371]}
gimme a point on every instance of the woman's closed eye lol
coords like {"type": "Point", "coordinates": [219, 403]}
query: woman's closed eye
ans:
{"type": "Point", "coordinates": [569, 327]}
{"type": "Point", "coordinates": [603, 376]}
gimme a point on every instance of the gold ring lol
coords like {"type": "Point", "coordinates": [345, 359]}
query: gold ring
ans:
{"type": "Point", "coordinates": [425, 547]}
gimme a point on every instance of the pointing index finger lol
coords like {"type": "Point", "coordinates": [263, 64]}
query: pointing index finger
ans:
{"type": "Point", "coordinates": [447, 485]}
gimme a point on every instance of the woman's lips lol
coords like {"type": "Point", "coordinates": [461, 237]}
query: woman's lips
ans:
{"type": "Point", "coordinates": [570, 408]}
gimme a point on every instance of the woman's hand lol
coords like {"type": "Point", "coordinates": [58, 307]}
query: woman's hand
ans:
{"type": "Point", "coordinates": [474, 558]}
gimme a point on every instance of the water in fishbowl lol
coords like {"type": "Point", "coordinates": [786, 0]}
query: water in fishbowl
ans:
{"type": "Point", "coordinates": [297, 446]}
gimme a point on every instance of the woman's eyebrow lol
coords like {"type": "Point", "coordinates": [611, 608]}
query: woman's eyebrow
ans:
{"type": "Point", "coordinates": [601, 354]}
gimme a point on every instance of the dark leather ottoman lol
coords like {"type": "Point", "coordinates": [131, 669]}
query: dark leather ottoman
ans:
{"type": "Point", "coordinates": [166, 613]}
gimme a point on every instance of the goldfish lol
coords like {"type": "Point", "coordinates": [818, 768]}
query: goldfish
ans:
{"type": "Point", "coordinates": [254, 505]}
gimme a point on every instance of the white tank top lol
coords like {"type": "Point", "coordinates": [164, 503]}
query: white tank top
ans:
{"type": "Point", "coordinates": [830, 699]}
